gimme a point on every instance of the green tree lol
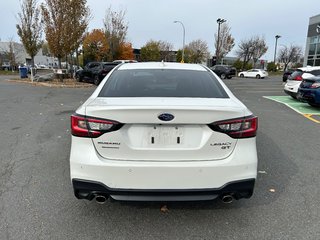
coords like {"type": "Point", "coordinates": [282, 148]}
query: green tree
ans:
{"type": "Point", "coordinates": [186, 55]}
{"type": "Point", "coordinates": [240, 65]}
{"type": "Point", "coordinates": [271, 67]}
{"type": "Point", "coordinates": [151, 51]}
{"type": "Point", "coordinates": [29, 28]}
{"type": "Point", "coordinates": [45, 49]}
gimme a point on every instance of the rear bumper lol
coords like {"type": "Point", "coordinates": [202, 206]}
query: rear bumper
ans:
{"type": "Point", "coordinates": [84, 189]}
{"type": "Point", "coordinates": [292, 94]}
{"type": "Point", "coordinates": [309, 95]}
{"type": "Point", "coordinates": [211, 178]}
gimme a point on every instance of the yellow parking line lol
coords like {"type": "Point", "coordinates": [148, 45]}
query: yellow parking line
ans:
{"type": "Point", "coordinates": [309, 116]}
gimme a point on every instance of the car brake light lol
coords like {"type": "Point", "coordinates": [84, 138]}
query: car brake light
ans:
{"type": "Point", "coordinates": [315, 85]}
{"type": "Point", "coordinates": [237, 128]}
{"type": "Point", "coordinates": [298, 78]}
{"type": "Point", "coordinates": [82, 126]}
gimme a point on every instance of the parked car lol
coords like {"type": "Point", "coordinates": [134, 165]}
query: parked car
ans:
{"type": "Point", "coordinates": [286, 74]}
{"type": "Point", "coordinates": [255, 73]}
{"type": "Point", "coordinates": [309, 90]}
{"type": "Point", "coordinates": [95, 72]}
{"type": "Point", "coordinates": [163, 132]}
{"type": "Point", "coordinates": [294, 80]}
{"type": "Point", "coordinates": [6, 66]}
{"type": "Point", "coordinates": [124, 61]}
{"type": "Point", "coordinates": [224, 71]}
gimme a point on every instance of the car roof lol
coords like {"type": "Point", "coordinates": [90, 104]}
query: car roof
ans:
{"type": "Point", "coordinates": [162, 65]}
{"type": "Point", "coordinates": [308, 68]}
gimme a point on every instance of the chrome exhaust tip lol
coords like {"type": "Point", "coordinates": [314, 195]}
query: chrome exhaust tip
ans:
{"type": "Point", "coordinates": [101, 199]}
{"type": "Point", "coordinates": [227, 198]}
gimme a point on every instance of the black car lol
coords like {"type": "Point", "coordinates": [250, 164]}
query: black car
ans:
{"type": "Point", "coordinates": [224, 71]}
{"type": "Point", "coordinates": [286, 74]}
{"type": "Point", "coordinates": [95, 72]}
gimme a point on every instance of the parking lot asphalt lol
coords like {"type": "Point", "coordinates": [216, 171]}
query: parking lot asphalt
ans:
{"type": "Point", "coordinates": [37, 202]}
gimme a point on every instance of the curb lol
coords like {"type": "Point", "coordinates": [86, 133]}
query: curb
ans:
{"type": "Point", "coordinates": [43, 84]}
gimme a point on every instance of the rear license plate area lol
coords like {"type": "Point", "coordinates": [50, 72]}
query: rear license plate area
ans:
{"type": "Point", "coordinates": [166, 135]}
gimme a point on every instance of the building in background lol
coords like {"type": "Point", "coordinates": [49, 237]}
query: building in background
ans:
{"type": "Point", "coordinates": [312, 54]}
{"type": "Point", "coordinates": [13, 54]}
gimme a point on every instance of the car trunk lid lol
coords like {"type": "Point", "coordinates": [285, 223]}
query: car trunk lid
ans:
{"type": "Point", "coordinates": [144, 137]}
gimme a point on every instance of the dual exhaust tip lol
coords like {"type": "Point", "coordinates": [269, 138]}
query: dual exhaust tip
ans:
{"type": "Point", "coordinates": [101, 199]}
{"type": "Point", "coordinates": [227, 198]}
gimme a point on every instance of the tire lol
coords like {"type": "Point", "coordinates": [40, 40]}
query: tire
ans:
{"type": "Point", "coordinates": [258, 76]}
{"type": "Point", "coordinates": [96, 80]}
{"type": "Point", "coordinates": [294, 97]}
{"type": "Point", "coordinates": [223, 76]}
{"type": "Point", "coordinates": [313, 104]}
{"type": "Point", "coordinates": [241, 75]}
{"type": "Point", "coordinates": [78, 78]}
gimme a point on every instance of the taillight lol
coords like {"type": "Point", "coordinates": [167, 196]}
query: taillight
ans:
{"type": "Point", "coordinates": [298, 78]}
{"type": "Point", "coordinates": [315, 85]}
{"type": "Point", "coordinates": [237, 128]}
{"type": "Point", "coordinates": [82, 126]}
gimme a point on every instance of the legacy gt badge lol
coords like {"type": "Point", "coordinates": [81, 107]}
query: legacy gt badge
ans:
{"type": "Point", "coordinates": [166, 117]}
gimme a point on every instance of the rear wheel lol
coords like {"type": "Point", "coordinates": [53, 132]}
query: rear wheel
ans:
{"type": "Point", "coordinates": [96, 80]}
{"type": "Point", "coordinates": [293, 96]}
{"type": "Point", "coordinates": [241, 75]}
{"type": "Point", "coordinates": [258, 76]}
{"type": "Point", "coordinates": [78, 78]}
{"type": "Point", "coordinates": [223, 76]}
{"type": "Point", "coordinates": [313, 104]}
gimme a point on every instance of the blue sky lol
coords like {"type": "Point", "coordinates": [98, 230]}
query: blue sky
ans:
{"type": "Point", "coordinates": [151, 19]}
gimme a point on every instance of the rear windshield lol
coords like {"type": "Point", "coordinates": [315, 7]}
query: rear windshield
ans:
{"type": "Point", "coordinates": [162, 83]}
{"type": "Point", "coordinates": [109, 66]}
{"type": "Point", "coordinates": [295, 74]}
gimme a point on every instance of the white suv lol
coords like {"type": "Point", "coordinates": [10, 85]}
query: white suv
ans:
{"type": "Point", "coordinates": [163, 132]}
{"type": "Point", "coordinates": [294, 80]}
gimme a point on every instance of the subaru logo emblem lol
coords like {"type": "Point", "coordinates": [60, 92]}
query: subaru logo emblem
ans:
{"type": "Point", "coordinates": [166, 117]}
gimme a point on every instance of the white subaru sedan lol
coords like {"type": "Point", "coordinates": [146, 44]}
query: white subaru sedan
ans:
{"type": "Point", "coordinates": [163, 132]}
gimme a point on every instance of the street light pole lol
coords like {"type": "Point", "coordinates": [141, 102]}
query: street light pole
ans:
{"type": "Point", "coordinates": [184, 38]}
{"type": "Point", "coordinates": [275, 48]}
{"type": "Point", "coordinates": [219, 21]}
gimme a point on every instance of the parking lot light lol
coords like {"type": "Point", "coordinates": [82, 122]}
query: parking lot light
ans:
{"type": "Point", "coordinates": [184, 37]}
{"type": "Point", "coordinates": [275, 48]}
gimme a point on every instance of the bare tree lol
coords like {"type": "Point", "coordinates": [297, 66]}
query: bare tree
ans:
{"type": "Point", "coordinates": [251, 49]}
{"type": "Point", "coordinates": [30, 27]}
{"type": "Point", "coordinates": [291, 54]}
{"type": "Point", "coordinates": [197, 51]}
{"type": "Point", "coordinates": [259, 48]}
{"type": "Point", "coordinates": [226, 41]}
{"type": "Point", "coordinates": [10, 54]}
{"type": "Point", "coordinates": [116, 31]}
{"type": "Point", "coordinates": [165, 50]}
